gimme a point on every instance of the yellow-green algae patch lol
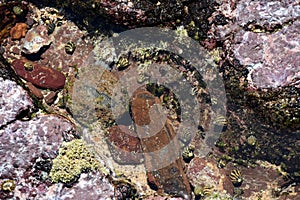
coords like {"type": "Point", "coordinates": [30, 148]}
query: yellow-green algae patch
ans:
{"type": "Point", "coordinates": [74, 157]}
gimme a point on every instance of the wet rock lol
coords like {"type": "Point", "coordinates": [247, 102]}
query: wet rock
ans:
{"type": "Point", "coordinates": [13, 100]}
{"type": "Point", "coordinates": [124, 145]}
{"type": "Point", "coordinates": [204, 173]}
{"type": "Point", "coordinates": [36, 45]}
{"type": "Point", "coordinates": [170, 178]}
{"type": "Point", "coordinates": [91, 99]}
{"type": "Point", "coordinates": [35, 91]}
{"type": "Point", "coordinates": [124, 190]}
{"type": "Point", "coordinates": [261, 71]}
{"type": "Point", "coordinates": [50, 98]}
{"type": "Point", "coordinates": [39, 75]}
{"type": "Point", "coordinates": [192, 15]}
{"type": "Point", "coordinates": [35, 39]}
{"type": "Point", "coordinates": [18, 31]}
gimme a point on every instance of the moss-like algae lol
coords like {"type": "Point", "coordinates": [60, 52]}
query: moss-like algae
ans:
{"type": "Point", "coordinates": [74, 157]}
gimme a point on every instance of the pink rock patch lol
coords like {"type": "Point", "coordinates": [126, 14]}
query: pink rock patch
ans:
{"type": "Point", "coordinates": [202, 172]}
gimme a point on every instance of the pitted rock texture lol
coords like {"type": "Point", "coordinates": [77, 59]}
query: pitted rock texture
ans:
{"type": "Point", "coordinates": [265, 40]}
{"type": "Point", "coordinates": [56, 56]}
{"type": "Point", "coordinates": [23, 141]}
{"type": "Point", "coordinates": [205, 173]}
{"type": "Point", "coordinates": [272, 59]}
{"type": "Point", "coordinates": [267, 13]}
{"type": "Point", "coordinates": [13, 101]}
{"type": "Point", "coordinates": [92, 186]}
{"type": "Point", "coordinates": [26, 150]}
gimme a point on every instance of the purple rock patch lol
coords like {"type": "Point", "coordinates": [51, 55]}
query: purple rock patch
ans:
{"type": "Point", "coordinates": [273, 60]}
{"type": "Point", "coordinates": [26, 150]}
{"type": "Point", "coordinates": [13, 100]}
{"type": "Point", "coordinates": [90, 186]}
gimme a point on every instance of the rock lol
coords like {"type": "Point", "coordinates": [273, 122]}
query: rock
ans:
{"type": "Point", "coordinates": [18, 31]}
{"type": "Point", "coordinates": [203, 173]}
{"type": "Point", "coordinates": [13, 101]}
{"type": "Point", "coordinates": [124, 145]}
{"type": "Point", "coordinates": [50, 98]}
{"type": "Point", "coordinates": [34, 90]}
{"type": "Point", "coordinates": [90, 186]}
{"type": "Point", "coordinates": [36, 38]}
{"type": "Point", "coordinates": [9, 17]}
{"type": "Point", "coordinates": [167, 176]}
{"type": "Point", "coordinates": [57, 58]}
{"type": "Point", "coordinates": [27, 148]}
{"type": "Point", "coordinates": [39, 75]}
{"type": "Point", "coordinates": [260, 65]}
{"type": "Point", "coordinates": [272, 59]}
{"type": "Point", "coordinates": [267, 14]}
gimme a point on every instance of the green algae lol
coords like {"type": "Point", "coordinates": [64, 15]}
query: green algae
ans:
{"type": "Point", "coordinates": [74, 158]}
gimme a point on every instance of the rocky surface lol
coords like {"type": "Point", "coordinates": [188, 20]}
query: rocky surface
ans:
{"type": "Point", "coordinates": [272, 59]}
{"type": "Point", "coordinates": [38, 75]}
{"type": "Point", "coordinates": [204, 173]}
{"type": "Point", "coordinates": [98, 187]}
{"type": "Point", "coordinates": [255, 47]}
{"type": "Point", "coordinates": [27, 149]}
{"type": "Point", "coordinates": [13, 100]}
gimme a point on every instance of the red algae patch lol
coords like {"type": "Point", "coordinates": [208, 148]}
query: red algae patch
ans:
{"type": "Point", "coordinates": [39, 75]}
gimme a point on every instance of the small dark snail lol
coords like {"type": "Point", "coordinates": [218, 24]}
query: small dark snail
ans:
{"type": "Point", "coordinates": [28, 66]}
{"type": "Point", "coordinates": [8, 186]}
{"type": "Point", "coordinates": [236, 177]}
{"type": "Point", "coordinates": [17, 10]}
{"type": "Point", "coordinates": [51, 27]}
{"type": "Point", "coordinates": [70, 47]}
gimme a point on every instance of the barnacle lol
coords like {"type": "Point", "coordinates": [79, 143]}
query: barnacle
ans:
{"type": "Point", "coordinates": [221, 163]}
{"type": "Point", "coordinates": [185, 136]}
{"type": "Point", "coordinates": [70, 47]}
{"type": "Point", "coordinates": [236, 177]}
{"type": "Point", "coordinates": [251, 140]}
{"type": "Point", "coordinates": [8, 185]}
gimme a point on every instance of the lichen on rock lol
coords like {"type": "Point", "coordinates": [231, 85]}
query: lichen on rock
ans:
{"type": "Point", "coordinates": [73, 158]}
